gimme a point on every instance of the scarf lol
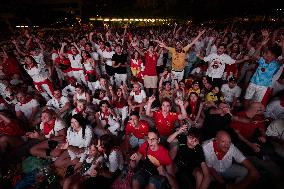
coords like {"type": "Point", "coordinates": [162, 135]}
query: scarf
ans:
{"type": "Point", "coordinates": [219, 153]}
{"type": "Point", "coordinates": [48, 127]}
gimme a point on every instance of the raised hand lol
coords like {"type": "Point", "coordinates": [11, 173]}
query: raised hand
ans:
{"type": "Point", "coordinates": [152, 99]}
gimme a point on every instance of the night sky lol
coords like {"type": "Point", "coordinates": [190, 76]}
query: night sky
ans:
{"type": "Point", "coordinates": [39, 11]}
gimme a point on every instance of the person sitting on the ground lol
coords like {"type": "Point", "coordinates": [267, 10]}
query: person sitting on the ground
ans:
{"type": "Point", "coordinates": [275, 134]}
{"type": "Point", "coordinates": [27, 109]}
{"type": "Point", "coordinates": [275, 109]}
{"type": "Point", "coordinates": [60, 104]}
{"type": "Point", "coordinates": [10, 133]}
{"type": "Point", "coordinates": [137, 98]}
{"type": "Point", "coordinates": [136, 131]}
{"type": "Point", "coordinates": [194, 109]}
{"type": "Point", "coordinates": [190, 158]}
{"type": "Point", "coordinates": [157, 167]}
{"type": "Point", "coordinates": [214, 97]}
{"type": "Point", "coordinates": [88, 168]}
{"type": "Point", "coordinates": [231, 92]}
{"type": "Point", "coordinates": [250, 128]}
{"type": "Point", "coordinates": [51, 128]}
{"type": "Point", "coordinates": [219, 155]}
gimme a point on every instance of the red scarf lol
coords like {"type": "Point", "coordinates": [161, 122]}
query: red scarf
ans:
{"type": "Point", "coordinates": [78, 111]}
{"type": "Point", "coordinates": [219, 153]}
{"type": "Point", "coordinates": [48, 127]}
{"type": "Point", "coordinates": [105, 116]}
{"type": "Point", "coordinates": [193, 106]}
{"type": "Point", "coordinates": [38, 85]}
{"type": "Point", "coordinates": [137, 92]}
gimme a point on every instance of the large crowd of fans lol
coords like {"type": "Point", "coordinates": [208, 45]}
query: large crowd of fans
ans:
{"type": "Point", "coordinates": [137, 108]}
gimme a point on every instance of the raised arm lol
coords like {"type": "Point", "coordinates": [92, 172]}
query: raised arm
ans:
{"type": "Point", "coordinates": [249, 41]}
{"type": "Point", "coordinates": [137, 49]}
{"type": "Point", "coordinates": [265, 40]}
{"type": "Point", "coordinates": [149, 104]}
{"type": "Point", "coordinates": [40, 45]}
{"type": "Point", "coordinates": [78, 49]}
{"type": "Point", "coordinates": [194, 40]}
{"type": "Point", "coordinates": [62, 49]}
{"type": "Point", "coordinates": [18, 48]}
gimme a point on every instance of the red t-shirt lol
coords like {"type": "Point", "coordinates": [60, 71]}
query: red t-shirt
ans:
{"type": "Point", "coordinates": [247, 129]}
{"type": "Point", "coordinates": [150, 64]}
{"type": "Point", "coordinates": [140, 132]}
{"type": "Point", "coordinates": [159, 157]}
{"type": "Point", "coordinates": [165, 125]}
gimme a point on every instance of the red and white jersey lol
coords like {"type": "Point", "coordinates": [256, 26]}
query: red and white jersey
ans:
{"type": "Point", "coordinates": [26, 108]}
{"type": "Point", "coordinates": [58, 126]}
{"type": "Point", "coordinates": [38, 73]}
{"type": "Point", "coordinates": [75, 60]}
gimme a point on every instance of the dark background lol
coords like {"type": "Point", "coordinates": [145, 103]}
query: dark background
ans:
{"type": "Point", "coordinates": [44, 12]}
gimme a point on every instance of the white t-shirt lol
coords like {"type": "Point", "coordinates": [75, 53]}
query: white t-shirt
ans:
{"type": "Point", "coordinates": [221, 165]}
{"type": "Point", "coordinates": [76, 139]}
{"type": "Point", "coordinates": [38, 73]}
{"type": "Point", "coordinates": [230, 93]}
{"type": "Point", "coordinates": [69, 90]}
{"type": "Point", "coordinates": [26, 108]}
{"type": "Point", "coordinates": [274, 109]}
{"type": "Point", "coordinates": [276, 129]}
{"type": "Point", "coordinates": [138, 98]}
{"type": "Point", "coordinates": [217, 64]}
{"type": "Point", "coordinates": [59, 125]}
{"type": "Point", "coordinates": [108, 56]}
{"type": "Point", "coordinates": [75, 60]}
{"type": "Point", "coordinates": [39, 59]}
{"type": "Point", "coordinates": [95, 55]}
{"type": "Point", "coordinates": [57, 105]}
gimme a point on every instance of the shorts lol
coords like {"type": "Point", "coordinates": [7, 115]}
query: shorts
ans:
{"type": "Point", "coordinates": [255, 92]}
{"type": "Point", "coordinates": [150, 82]}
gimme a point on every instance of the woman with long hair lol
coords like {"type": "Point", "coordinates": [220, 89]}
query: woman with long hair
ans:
{"type": "Point", "coordinates": [90, 71]}
{"type": "Point", "coordinates": [79, 137]}
{"type": "Point", "coordinates": [40, 76]}
{"type": "Point", "coordinates": [194, 108]}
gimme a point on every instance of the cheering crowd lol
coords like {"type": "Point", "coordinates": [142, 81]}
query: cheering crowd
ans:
{"type": "Point", "coordinates": [155, 108]}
